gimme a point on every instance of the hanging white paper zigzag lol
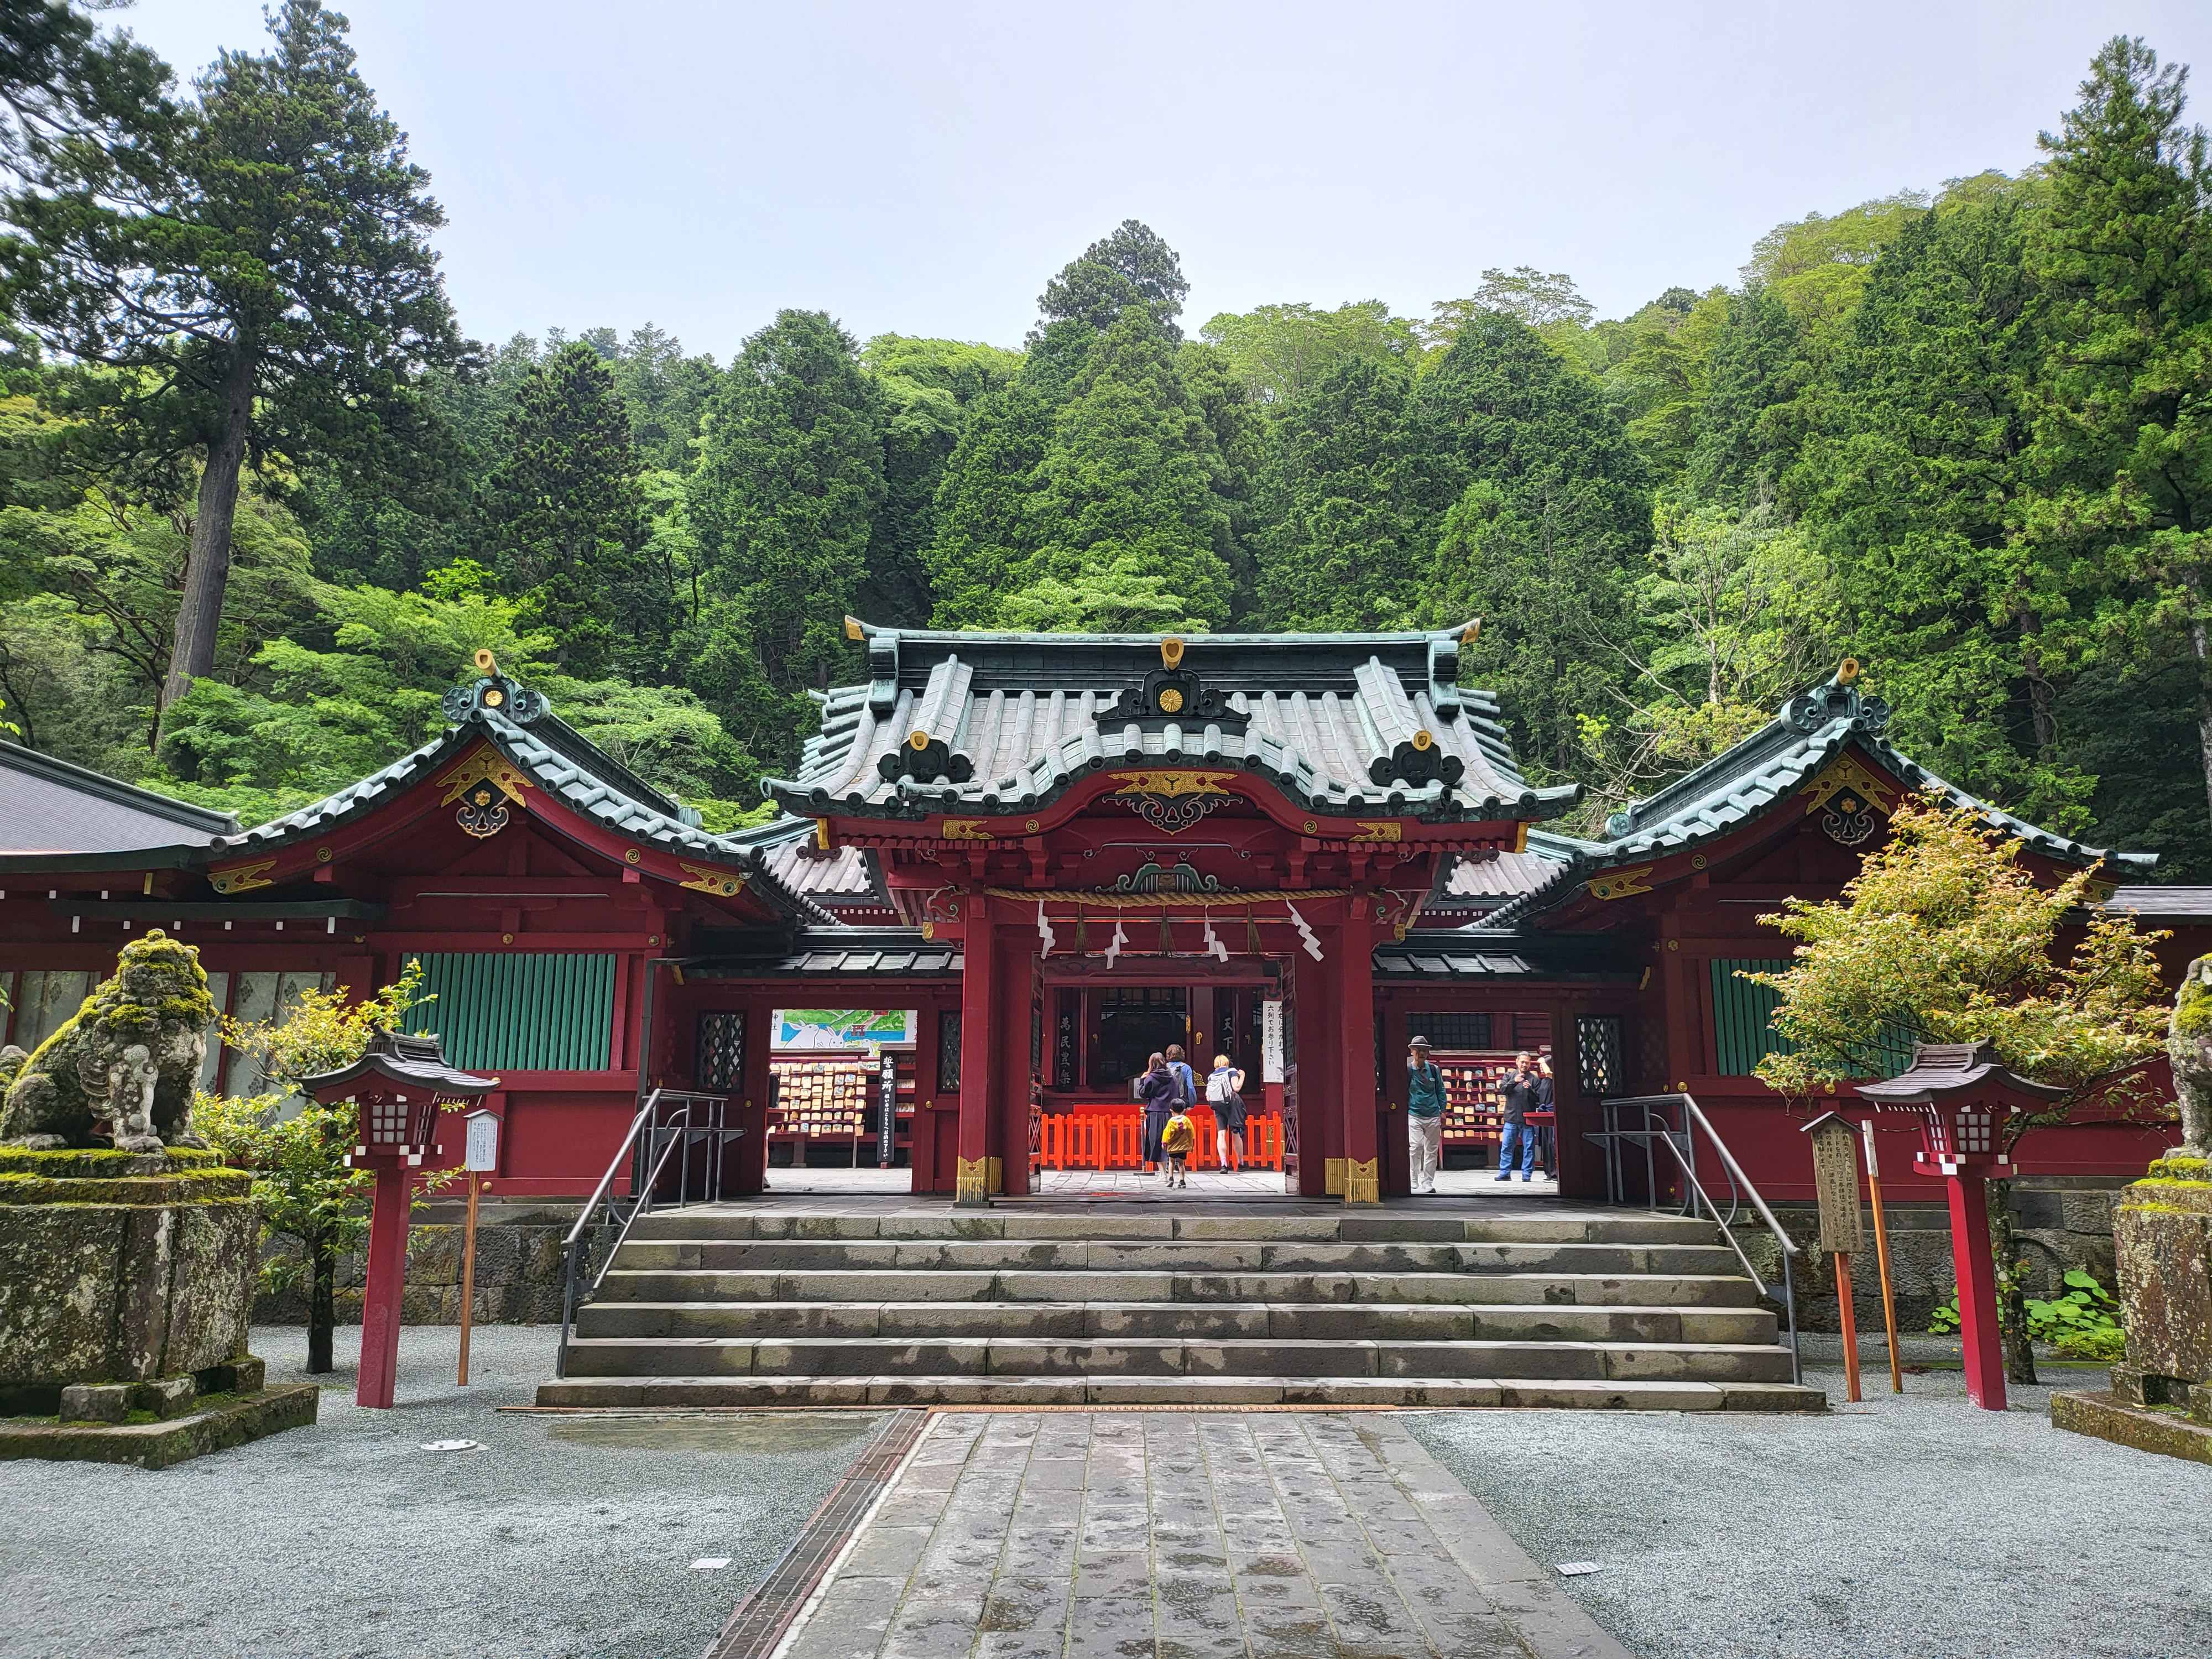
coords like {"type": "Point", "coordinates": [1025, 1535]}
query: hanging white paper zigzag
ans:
{"type": "Point", "coordinates": [1114, 944]}
{"type": "Point", "coordinates": [1044, 931]}
{"type": "Point", "coordinates": [1213, 946]}
{"type": "Point", "coordinates": [1306, 933]}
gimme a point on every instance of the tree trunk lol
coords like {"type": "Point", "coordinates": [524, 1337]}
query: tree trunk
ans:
{"type": "Point", "coordinates": [322, 1301]}
{"type": "Point", "coordinates": [207, 566]}
{"type": "Point", "coordinates": [2202, 646]}
{"type": "Point", "coordinates": [2012, 1291]}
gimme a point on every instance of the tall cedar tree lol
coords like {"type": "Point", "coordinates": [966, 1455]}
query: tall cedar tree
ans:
{"type": "Point", "coordinates": [1349, 538]}
{"type": "Point", "coordinates": [2122, 452]}
{"type": "Point", "coordinates": [1130, 267]}
{"type": "Point", "coordinates": [929, 386]}
{"type": "Point", "coordinates": [1748, 423]}
{"type": "Point", "coordinates": [1551, 514]}
{"type": "Point", "coordinates": [790, 476]}
{"type": "Point", "coordinates": [264, 275]}
{"type": "Point", "coordinates": [1130, 477]}
{"type": "Point", "coordinates": [1909, 485]}
{"type": "Point", "coordinates": [564, 514]}
{"type": "Point", "coordinates": [981, 534]}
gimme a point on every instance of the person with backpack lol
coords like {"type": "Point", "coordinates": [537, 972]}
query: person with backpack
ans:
{"type": "Point", "coordinates": [1225, 1092]}
{"type": "Point", "coordinates": [1186, 1079]}
{"type": "Point", "coordinates": [1425, 1117]}
{"type": "Point", "coordinates": [1159, 1090]}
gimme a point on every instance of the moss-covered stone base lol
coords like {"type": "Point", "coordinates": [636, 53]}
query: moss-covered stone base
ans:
{"type": "Point", "coordinates": [121, 1266]}
{"type": "Point", "coordinates": [2162, 1243]}
{"type": "Point", "coordinates": [2144, 1427]}
{"type": "Point", "coordinates": [222, 1421]}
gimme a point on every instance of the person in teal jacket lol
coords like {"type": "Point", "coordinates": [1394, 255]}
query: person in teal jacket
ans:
{"type": "Point", "coordinates": [1424, 1115]}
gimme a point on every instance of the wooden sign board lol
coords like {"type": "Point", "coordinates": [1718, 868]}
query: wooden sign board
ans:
{"type": "Point", "coordinates": [483, 1142]}
{"type": "Point", "coordinates": [1836, 1184]}
{"type": "Point", "coordinates": [1271, 1041]}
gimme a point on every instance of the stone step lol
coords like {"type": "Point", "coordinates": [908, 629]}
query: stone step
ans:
{"type": "Point", "coordinates": [1499, 1289]}
{"type": "Point", "coordinates": [1177, 1257]}
{"type": "Point", "coordinates": [1247, 1224]}
{"type": "Point", "coordinates": [1579, 1361]}
{"type": "Point", "coordinates": [1063, 1321]}
{"type": "Point", "coordinates": [691, 1393]}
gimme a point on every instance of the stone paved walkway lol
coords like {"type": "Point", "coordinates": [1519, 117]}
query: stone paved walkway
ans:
{"type": "Point", "coordinates": [1173, 1535]}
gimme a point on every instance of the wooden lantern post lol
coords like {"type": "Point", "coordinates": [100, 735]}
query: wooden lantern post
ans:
{"type": "Point", "coordinates": [398, 1084]}
{"type": "Point", "coordinates": [1836, 1185]}
{"type": "Point", "coordinates": [1964, 1093]}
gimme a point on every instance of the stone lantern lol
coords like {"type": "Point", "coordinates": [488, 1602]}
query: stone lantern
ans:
{"type": "Point", "coordinates": [1964, 1093]}
{"type": "Point", "coordinates": [397, 1086]}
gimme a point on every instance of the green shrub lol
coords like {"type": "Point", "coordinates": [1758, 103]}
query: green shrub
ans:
{"type": "Point", "coordinates": [2103, 1345]}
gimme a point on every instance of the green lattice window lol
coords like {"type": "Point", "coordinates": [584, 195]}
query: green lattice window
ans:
{"type": "Point", "coordinates": [1743, 1017]}
{"type": "Point", "coordinates": [535, 1011]}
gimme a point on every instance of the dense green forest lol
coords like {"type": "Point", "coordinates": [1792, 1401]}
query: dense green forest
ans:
{"type": "Point", "coordinates": [263, 497]}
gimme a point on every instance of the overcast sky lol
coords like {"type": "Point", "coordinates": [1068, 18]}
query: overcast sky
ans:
{"type": "Point", "coordinates": [924, 169]}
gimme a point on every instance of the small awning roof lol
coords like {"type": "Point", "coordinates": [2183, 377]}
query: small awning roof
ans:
{"type": "Point", "coordinates": [411, 1061]}
{"type": "Point", "coordinates": [1941, 1070]}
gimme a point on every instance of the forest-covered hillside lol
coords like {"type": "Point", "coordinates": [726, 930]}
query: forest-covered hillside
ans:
{"type": "Point", "coordinates": [263, 497]}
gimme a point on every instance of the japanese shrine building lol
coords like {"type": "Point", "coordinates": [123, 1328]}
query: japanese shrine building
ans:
{"type": "Point", "coordinates": [1046, 855]}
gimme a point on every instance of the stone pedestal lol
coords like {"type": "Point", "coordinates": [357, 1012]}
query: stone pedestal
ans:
{"type": "Point", "coordinates": [2162, 1245]}
{"type": "Point", "coordinates": [126, 1280]}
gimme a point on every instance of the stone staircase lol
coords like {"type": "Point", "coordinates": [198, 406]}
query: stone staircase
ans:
{"type": "Point", "coordinates": [1233, 1305]}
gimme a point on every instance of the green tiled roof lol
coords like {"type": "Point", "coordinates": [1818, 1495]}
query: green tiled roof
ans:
{"type": "Point", "coordinates": [1776, 761]}
{"type": "Point", "coordinates": [559, 760]}
{"type": "Point", "coordinates": [1007, 722]}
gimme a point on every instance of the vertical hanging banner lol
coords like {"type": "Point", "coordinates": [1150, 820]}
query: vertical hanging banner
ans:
{"type": "Point", "coordinates": [1271, 1041]}
{"type": "Point", "coordinates": [887, 1132]}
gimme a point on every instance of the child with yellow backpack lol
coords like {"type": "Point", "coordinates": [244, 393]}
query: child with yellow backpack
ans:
{"type": "Point", "coordinates": [1175, 1141]}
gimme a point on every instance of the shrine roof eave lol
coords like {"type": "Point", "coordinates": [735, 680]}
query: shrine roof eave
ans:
{"type": "Point", "coordinates": [906, 800]}
{"type": "Point", "coordinates": [979, 724]}
{"type": "Point", "coordinates": [563, 764]}
{"type": "Point", "coordinates": [1750, 781]}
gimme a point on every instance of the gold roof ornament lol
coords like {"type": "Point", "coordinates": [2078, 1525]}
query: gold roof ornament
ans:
{"type": "Point", "coordinates": [1474, 632]}
{"type": "Point", "coordinates": [1171, 651]}
{"type": "Point", "coordinates": [1847, 671]}
{"type": "Point", "coordinates": [852, 629]}
{"type": "Point", "coordinates": [486, 663]}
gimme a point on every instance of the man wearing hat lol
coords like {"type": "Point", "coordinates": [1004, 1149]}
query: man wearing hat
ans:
{"type": "Point", "coordinates": [1424, 1115]}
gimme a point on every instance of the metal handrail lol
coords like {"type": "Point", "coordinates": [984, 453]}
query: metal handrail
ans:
{"type": "Point", "coordinates": [1739, 1187]}
{"type": "Point", "coordinates": [648, 1145]}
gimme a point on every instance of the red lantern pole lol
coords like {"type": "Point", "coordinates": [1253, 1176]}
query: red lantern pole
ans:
{"type": "Point", "coordinates": [1975, 1264]}
{"type": "Point", "coordinates": [381, 1293]}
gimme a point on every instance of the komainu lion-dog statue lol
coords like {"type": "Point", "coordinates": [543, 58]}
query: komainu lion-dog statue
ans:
{"type": "Point", "coordinates": [123, 1069]}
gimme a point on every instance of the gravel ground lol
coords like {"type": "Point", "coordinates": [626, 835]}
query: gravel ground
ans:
{"type": "Point", "coordinates": [1905, 1528]}
{"type": "Point", "coordinates": [564, 1536]}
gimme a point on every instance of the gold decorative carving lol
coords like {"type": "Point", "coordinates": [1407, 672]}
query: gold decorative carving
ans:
{"type": "Point", "coordinates": [1363, 1182]}
{"type": "Point", "coordinates": [852, 629]}
{"type": "Point", "coordinates": [976, 1179]}
{"type": "Point", "coordinates": [1332, 1177]}
{"type": "Point", "coordinates": [1846, 772]}
{"type": "Point", "coordinates": [917, 740]}
{"type": "Point", "coordinates": [241, 878]}
{"type": "Point", "coordinates": [1620, 884]}
{"type": "Point", "coordinates": [1380, 829]}
{"type": "Point", "coordinates": [1171, 701]}
{"type": "Point", "coordinates": [1424, 740]}
{"type": "Point", "coordinates": [484, 764]}
{"type": "Point", "coordinates": [964, 830]}
{"type": "Point", "coordinates": [633, 856]}
{"type": "Point", "coordinates": [1473, 633]}
{"type": "Point", "coordinates": [704, 879]}
{"type": "Point", "coordinates": [1172, 784]}
{"type": "Point", "coordinates": [1171, 653]}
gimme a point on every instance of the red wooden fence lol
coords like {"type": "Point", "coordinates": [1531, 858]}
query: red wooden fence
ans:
{"type": "Point", "coordinates": [1113, 1138]}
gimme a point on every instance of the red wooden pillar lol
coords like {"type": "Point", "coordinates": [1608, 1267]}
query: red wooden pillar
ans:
{"type": "Point", "coordinates": [1012, 952]}
{"type": "Point", "coordinates": [382, 1288]}
{"type": "Point", "coordinates": [1355, 1016]}
{"type": "Point", "coordinates": [972, 1171]}
{"type": "Point", "coordinates": [1975, 1263]}
{"type": "Point", "coordinates": [1321, 1117]}
{"type": "Point", "coordinates": [749, 1109]}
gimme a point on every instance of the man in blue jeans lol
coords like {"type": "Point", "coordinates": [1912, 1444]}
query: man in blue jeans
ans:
{"type": "Point", "coordinates": [1516, 1098]}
